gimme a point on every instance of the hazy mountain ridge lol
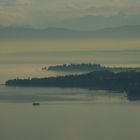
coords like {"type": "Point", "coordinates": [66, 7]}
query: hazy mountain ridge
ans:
{"type": "Point", "coordinates": [125, 31]}
{"type": "Point", "coordinates": [27, 32]}
{"type": "Point", "coordinates": [95, 22]}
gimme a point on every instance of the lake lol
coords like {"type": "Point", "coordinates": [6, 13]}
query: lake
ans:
{"type": "Point", "coordinates": [67, 114]}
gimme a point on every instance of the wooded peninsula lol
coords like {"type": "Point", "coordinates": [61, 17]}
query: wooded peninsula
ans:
{"type": "Point", "coordinates": [128, 82]}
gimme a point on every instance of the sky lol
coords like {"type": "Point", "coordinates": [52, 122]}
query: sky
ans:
{"type": "Point", "coordinates": [39, 12]}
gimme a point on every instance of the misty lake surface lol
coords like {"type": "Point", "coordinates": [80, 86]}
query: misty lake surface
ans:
{"type": "Point", "coordinates": [65, 114]}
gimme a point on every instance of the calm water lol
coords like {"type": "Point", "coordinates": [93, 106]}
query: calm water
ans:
{"type": "Point", "coordinates": [65, 114]}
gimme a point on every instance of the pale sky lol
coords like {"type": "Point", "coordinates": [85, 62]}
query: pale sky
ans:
{"type": "Point", "coordinates": [38, 12]}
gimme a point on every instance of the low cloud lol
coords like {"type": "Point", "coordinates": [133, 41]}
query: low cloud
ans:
{"type": "Point", "coordinates": [15, 2]}
{"type": "Point", "coordinates": [24, 2]}
{"type": "Point", "coordinates": [46, 12]}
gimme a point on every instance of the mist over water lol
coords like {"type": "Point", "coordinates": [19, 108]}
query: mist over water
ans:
{"type": "Point", "coordinates": [25, 58]}
{"type": "Point", "coordinates": [72, 114]}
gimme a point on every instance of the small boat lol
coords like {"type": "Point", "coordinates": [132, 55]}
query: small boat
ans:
{"type": "Point", "coordinates": [35, 104]}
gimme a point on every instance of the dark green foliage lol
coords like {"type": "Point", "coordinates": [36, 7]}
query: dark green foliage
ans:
{"type": "Point", "coordinates": [128, 82]}
{"type": "Point", "coordinates": [87, 68]}
{"type": "Point", "coordinates": [76, 67]}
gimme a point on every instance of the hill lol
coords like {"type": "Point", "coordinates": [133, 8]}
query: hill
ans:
{"type": "Point", "coordinates": [23, 32]}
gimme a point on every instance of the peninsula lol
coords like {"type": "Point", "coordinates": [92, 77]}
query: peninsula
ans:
{"type": "Point", "coordinates": [128, 82]}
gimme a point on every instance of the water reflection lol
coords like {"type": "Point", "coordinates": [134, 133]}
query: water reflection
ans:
{"type": "Point", "coordinates": [70, 121]}
{"type": "Point", "coordinates": [20, 94]}
{"type": "Point", "coordinates": [67, 114]}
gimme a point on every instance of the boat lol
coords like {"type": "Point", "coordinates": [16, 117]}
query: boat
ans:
{"type": "Point", "coordinates": [35, 104]}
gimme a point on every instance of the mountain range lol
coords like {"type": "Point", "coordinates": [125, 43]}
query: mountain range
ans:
{"type": "Point", "coordinates": [96, 22]}
{"type": "Point", "coordinates": [27, 32]}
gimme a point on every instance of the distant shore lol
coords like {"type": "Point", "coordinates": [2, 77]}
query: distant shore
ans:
{"type": "Point", "coordinates": [128, 82]}
{"type": "Point", "coordinates": [87, 68]}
